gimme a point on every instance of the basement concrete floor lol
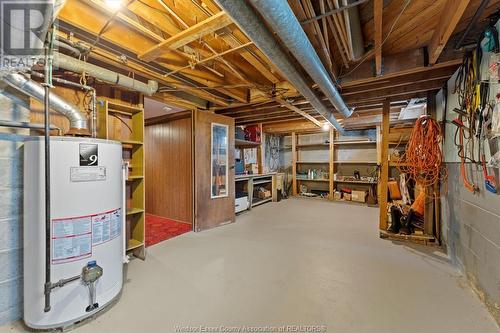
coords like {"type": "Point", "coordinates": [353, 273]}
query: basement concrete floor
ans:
{"type": "Point", "coordinates": [297, 262]}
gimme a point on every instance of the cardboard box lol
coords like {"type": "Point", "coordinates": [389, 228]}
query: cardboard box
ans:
{"type": "Point", "coordinates": [264, 194]}
{"type": "Point", "coordinates": [252, 168]}
{"type": "Point", "coordinates": [337, 195]}
{"type": "Point", "coordinates": [347, 196]}
{"type": "Point", "coordinates": [359, 196]}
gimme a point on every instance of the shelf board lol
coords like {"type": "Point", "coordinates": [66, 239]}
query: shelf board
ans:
{"type": "Point", "coordinates": [132, 142]}
{"type": "Point", "coordinates": [313, 180]}
{"type": "Point", "coordinates": [318, 197]}
{"type": "Point", "coordinates": [356, 162]}
{"type": "Point", "coordinates": [236, 179]}
{"type": "Point", "coordinates": [133, 244]}
{"type": "Point", "coordinates": [309, 145]}
{"type": "Point", "coordinates": [246, 144]}
{"type": "Point", "coordinates": [350, 202]}
{"type": "Point", "coordinates": [420, 239]}
{"type": "Point", "coordinates": [123, 108]}
{"type": "Point", "coordinates": [355, 182]}
{"type": "Point", "coordinates": [262, 182]}
{"type": "Point", "coordinates": [133, 177]}
{"type": "Point", "coordinates": [133, 211]}
{"type": "Point", "coordinates": [261, 201]}
{"type": "Point", "coordinates": [123, 113]}
{"type": "Point", "coordinates": [361, 142]}
{"type": "Point", "coordinates": [397, 164]}
{"type": "Point", "coordinates": [313, 162]}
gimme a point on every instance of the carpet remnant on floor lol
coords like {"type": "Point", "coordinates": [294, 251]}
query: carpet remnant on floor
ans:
{"type": "Point", "coordinates": [159, 229]}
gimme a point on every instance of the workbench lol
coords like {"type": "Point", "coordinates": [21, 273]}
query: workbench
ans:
{"type": "Point", "coordinates": [250, 183]}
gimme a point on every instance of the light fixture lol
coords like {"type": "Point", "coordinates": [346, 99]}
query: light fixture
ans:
{"type": "Point", "coordinates": [114, 4]}
{"type": "Point", "coordinates": [326, 127]}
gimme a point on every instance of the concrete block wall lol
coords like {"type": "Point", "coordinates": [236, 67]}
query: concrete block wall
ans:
{"type": "Point", "coordinates": [471, 234]}
{"type": "Point", "coordinates": [471, 222]}
{"type": "Point", "coordinates": [12, 107]}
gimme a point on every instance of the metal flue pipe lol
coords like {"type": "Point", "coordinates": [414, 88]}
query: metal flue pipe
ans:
{"type": "Point", "coordinates": [281, 18]}
{"type": "Point", "coordinates": [249, 22]}
{"type": "Point", "coordinates": [103, 74]}
{"type": "Point", "coordinates": [77, 119]}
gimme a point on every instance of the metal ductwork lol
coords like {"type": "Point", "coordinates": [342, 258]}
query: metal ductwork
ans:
{"type": "Point", "coordinates": [78, 66]}
{"type": "Point", "coordinates": [77, 119]}
{"type": "Point", "coordinates": [354, 32]}
{"type": "Point", "coordinates": [283, 21]}
{"type": "Point", "coordinates": [249, 22]}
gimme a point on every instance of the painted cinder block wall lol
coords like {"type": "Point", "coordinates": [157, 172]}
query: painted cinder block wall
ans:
{"type": "Point", "coordinates": [12, 107]}
{"type": "Point", "coordinates": [471, 222]}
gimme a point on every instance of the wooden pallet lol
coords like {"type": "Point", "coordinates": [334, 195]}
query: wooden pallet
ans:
{"type": "Point", "coordinates": [417, 239]}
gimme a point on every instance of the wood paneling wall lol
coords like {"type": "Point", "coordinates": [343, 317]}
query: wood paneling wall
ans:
{"type": "Point", "coordinates": [169, 184]}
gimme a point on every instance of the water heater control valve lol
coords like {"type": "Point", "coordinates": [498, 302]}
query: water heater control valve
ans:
{"type": "Point", "coordinates": [92, 272]}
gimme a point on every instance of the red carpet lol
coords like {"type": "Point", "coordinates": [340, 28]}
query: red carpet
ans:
{"type": "Point", "coordinates": [159, 229]}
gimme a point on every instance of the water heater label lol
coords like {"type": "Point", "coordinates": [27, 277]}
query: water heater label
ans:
{"type": "Point", "coordinates": [71, 239]}
{"type": "Point", "coordinates": [87, 174]}
{"type": "Point", "coordinates": [106, 226]}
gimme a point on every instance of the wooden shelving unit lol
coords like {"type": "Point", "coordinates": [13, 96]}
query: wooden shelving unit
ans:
{"type": "Point", "coordinates": [330, 166]}
{"type": "Point", "coordinates": [125, 123]}
{"type": "Point", "coordinates": [387, 136]}
{"type": "Point", "coordinates": [323, 184]}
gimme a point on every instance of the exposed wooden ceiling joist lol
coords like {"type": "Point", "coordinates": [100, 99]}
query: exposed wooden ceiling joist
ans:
{"type": "Point", "coordinates": [451, 15]}
{"type": "Point", "coordinates": [378, 8]}
{"type": "Point", "coordinates": [211, 24]}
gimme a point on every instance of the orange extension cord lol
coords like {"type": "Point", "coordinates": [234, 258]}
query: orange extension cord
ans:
{"type": "Point", "coordinates": [423, 159]}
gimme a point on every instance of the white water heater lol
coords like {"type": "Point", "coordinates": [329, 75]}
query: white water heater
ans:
{"type": "Point", "coordinates": [87, 223]}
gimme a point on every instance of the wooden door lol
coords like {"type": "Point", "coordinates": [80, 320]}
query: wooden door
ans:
{"type": "Point", "coordinates": [214, 170]}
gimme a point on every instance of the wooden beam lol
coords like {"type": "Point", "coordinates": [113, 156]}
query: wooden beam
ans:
{"type": "Point", "coordinates": [412, 79]}
{"type": "Point", "coordinates": [331, 164]}
{"type": "Point", "coordinates": [251, 59]}
{"type": "Point", "coordinates": [452, 65]}
{"type": "Point", "coordinates": [331, 12]}
{"type": "Point", "coordinates": [451, 15]}
{"type": "Point", "coordinates": [378, 9]}
{"type": "Point", "coordinates": [98, 4]}
{"type": "Point", "coordinates": [393, 92]}
{"type": "Point", "coordinates": [384, 169]}
{"type": "Point", "coordinates": [294, 163]}
{"type": "Point", "coordinates": [215, 56]}
{"type": "Point", "coordinates": [288, 127]}
{"type": "Point", "coordinates": [309, 9]}
{"type": "Point", "coordinates": [299, 111]}
{"type": "Point", "coordinates": [213, 23]}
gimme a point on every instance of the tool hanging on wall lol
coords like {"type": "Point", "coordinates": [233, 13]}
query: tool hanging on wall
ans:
{"type": "Point", "coordinates": [468, 89]}
{"type": "Point", "coordinates": [475, 114]}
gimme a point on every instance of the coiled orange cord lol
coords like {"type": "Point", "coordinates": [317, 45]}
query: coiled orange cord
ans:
{"type": "Point", "coordinates": [423, 158]}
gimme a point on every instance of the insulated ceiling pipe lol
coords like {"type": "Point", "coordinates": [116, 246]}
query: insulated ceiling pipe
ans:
{"type": "Point", "coordinates": [250, 23]}
{"type": "Point", "coordinates": [103, 74]}
{"type": "Point", "coordinates": [283, 21]}
{"type": "Point", "coordinates": [78, 120]}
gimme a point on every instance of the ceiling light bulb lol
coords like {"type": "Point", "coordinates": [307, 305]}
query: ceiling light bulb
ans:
{"type": "Point", "coordinates": [114, 4]}
{"type": "Point", "coordinates": [326, 127]}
